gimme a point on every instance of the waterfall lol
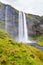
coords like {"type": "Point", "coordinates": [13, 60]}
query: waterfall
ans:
{"type": "Point", "coordinates": [22, 33]}
{"type": "Point", "coordinates": [9, 23]}
{"type": "Point", "coordinates": [25, 28]}
{"type": "Point", "coordinates": [20, 26]}
{"type": "Point", "coordinates": [6, 24]}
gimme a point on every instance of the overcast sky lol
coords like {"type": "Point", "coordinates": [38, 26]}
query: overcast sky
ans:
{"type": "Point", "coordinates": [29, 6]}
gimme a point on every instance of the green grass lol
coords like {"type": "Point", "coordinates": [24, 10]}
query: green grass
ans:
{"type": "Point", "coordinates": [14, 53]}
{"type": "Point", "coordinates": [39, 40]}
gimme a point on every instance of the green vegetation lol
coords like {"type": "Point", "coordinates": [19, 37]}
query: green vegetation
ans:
{"type": "Point", "coordinates": [39, 40]}
{"type": "Point", "coordinates": [14, 53]}
{"type": "Point", "coordinates": [30, 16]}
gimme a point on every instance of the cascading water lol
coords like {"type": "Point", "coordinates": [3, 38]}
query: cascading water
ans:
{"type": "Point", "coordinates": [23, 35]}
{"type": "Point", "coordinates": [25, 28]}
{"type": "Point", "coordinates": [20, 27]}
{"type": "Point", "coordinates": [6, 24]}
{"type": "Point", "coordinates": [9, 23]}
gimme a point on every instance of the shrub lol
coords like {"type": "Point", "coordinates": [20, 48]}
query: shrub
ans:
{"type": "Point", "coordinates": [1, 50]}
{"type": "Point", "coordinates": [3, 62]}
{"type": "Point", "coordinates": [32, 56]}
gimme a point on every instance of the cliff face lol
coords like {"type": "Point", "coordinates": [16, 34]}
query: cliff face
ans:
{"type": "Point", "coordinates": [2, 15]}
{"type": "Point", "coordinates": [2, 12]}
{"type": "Point", "coordinates": [9, 14]}
{"type": "Point", "coordinates": [34, 22]}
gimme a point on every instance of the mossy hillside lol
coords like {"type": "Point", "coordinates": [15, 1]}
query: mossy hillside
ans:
{"type": "Point", "coordinates": [39, 39]}
{"type": "Point", "coordinates": [14, 53]}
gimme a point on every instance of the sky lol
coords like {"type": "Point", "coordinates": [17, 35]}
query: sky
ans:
{"type": "Point", "coordinates": [28, 6]}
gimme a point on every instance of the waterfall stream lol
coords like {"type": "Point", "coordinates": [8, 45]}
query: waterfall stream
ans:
{"type": "Point", "coordinates": [23, 34]}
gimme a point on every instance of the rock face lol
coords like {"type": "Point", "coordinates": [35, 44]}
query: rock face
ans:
{"type": "Point", "coordinates": [2, 15]}
{"type": "Point", "coordinates": [10, 15]}
{"type": "Point", "coordinates": [34, 22]}
{"type": "Point", "coordinates": [2, 12]}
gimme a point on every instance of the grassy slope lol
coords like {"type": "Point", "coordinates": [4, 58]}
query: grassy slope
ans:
{"type": "Point", "coordinates": [39, 39]}
{"type": "Point", "coordinates": [13, 53]}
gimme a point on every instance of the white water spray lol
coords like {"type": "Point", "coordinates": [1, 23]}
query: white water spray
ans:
{"type": "Point", "coordinates": [6, 24]}
{"type": "Point", "coordinates": [23, 35]}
